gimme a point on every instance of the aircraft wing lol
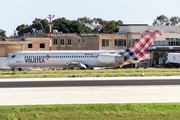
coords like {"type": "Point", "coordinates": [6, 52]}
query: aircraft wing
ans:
{"type": "Point", "coordinates": [76, 64]}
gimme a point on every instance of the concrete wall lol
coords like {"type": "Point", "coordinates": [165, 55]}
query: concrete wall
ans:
{"type": "Point", "coordinates": [36, 43]}
{"type": "Point", "coordinates": [112, 38]}
{"type": "Point", "coordinates": [5, 49]}
{"type": "Point", "coordinates": [91, 41]}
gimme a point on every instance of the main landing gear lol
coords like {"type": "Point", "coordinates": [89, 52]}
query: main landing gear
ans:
{"type": "Point", "coordinates": [19, 69]}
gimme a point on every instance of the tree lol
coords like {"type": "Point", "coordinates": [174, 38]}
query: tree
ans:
{"type": "Point", "coordinates": [21, 29]}
{"type": "Point", "coordinates": [2, 33]}
{"type": "Point", "coordinates": [98, 25]}
{"type": "Point", "coordinates": [67, 26]}
{"type": "Point", "coordinates": [161, 20]}
{"type": "Point", "coordinates": [81, 25]}
{"type": "Point", "coordinates": [86, 21]}
{"type": "Point", "coordinates": [175, 20]}
{"type": "Point", "coordinates": [41, 24]}
{"type": "Point", "coordinates": [37, 25]}
{"type": "Point", "coordinates": [24, 29]}
{"type": "Point", "coordinates": [111, 27]}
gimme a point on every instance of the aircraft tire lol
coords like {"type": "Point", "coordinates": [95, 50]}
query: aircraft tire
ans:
{"type": "Point", "coordinates": [19, 69]}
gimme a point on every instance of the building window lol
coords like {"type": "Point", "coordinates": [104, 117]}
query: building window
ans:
{"type": "Point", "coordinates": [120, 42]}
{"type": "Point", "coordinates": [29, 45]}
{"type": "Point", "coordinates": [79, 42]}
{"type": "Point", "coordinates": [173, 41]}
{"type": "Point", "coordinates": [42, 45]}
{"type": "Point", "coordinates": [55, 41]}
{"type": "Point", "coordinates": [62, 41]}
{"type": "Point", "coordinates": [105, 42]}
{"type": "Point", "coordinates": [124, 42]}
{"type": "Point", "coordinates": [83, 41]}
{"type": "Point", "coordinates": [134, 40]}
{"type": "Point", "coordinates": [69, 41]}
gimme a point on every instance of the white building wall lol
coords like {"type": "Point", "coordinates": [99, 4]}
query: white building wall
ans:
{"type": "Point", "coordinates": [136, 29]}
{"type": "Point", "coordinates": [140, 29]}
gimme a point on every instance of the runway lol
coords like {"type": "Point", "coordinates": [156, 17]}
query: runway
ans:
{"type": "Point", "coordinates": [89, 81]}
{"type": "Point", "coordinates": [64, 91]}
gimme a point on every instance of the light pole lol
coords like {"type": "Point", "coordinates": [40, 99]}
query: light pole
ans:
{"type": "Point", "coordinates": [50, 28]}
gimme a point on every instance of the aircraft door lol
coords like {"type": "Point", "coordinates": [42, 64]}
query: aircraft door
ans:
{"type": "Point", "coordinates": [18, 58]}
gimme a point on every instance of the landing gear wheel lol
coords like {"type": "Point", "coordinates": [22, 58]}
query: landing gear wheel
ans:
{"type": "Point", "coordinates": [12, 69]}
{"type": "Point", "coordinates": [19, 69]}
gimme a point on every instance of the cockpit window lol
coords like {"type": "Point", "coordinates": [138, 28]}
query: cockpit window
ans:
{"type": "Point", "coordinates": [13, 56]}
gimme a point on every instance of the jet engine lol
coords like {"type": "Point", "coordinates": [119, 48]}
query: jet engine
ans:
{"type": "Point", "coordinates": [111, 58]}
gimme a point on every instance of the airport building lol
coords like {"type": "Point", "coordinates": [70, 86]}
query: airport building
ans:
{"type": "Point", "coordinates": [168, 42]}
{"type": "Point", "coordinates": [127, 36]}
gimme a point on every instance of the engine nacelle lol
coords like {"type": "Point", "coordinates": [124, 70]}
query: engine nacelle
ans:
{"type": "Point", "coordinates": [110, 58]}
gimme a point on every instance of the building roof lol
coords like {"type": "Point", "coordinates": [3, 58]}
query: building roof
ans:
{"type": "Point", "coordinates": [134, 25]}
{"type": "Point", "coordinates": [14, 41]}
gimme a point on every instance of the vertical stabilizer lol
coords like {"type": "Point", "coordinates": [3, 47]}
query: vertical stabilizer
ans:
{"type": "Point", "coordinates": [137, 51]}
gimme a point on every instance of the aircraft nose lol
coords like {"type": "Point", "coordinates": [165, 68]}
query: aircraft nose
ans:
{"type": "Point", "coordinates": [6, 62]}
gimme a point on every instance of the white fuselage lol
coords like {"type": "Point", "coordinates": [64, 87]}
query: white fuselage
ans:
{"type": "Point", "coordinates": [61, 59]}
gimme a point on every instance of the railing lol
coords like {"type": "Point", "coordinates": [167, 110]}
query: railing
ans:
{"type": "Point", "coordinates": [166, 43]}
{"type": "Point", "coordinates": [161, 43]}
{"type": "Point", "coordinates": [35, 35]}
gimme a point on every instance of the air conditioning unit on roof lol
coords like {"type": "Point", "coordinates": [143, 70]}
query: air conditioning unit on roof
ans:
{"type": "Point", "coordinates": [55, 31]}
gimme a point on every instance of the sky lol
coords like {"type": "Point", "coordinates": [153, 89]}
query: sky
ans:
{"type": "Point", "coordinates": [17, 12]}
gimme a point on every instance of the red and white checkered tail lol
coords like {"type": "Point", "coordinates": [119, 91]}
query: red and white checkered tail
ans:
{"type": "Point", "coordinates": [142, 44]}
{"type": "Point", "coordinates": [143, 56]}
{"type": "Point", "coordinates": [146, 39]}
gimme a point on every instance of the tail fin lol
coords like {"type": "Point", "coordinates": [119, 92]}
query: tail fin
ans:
{"type": "Point", "coordinates": [137, 51]}
{"type": "Point", "coordinates": [146, 39]}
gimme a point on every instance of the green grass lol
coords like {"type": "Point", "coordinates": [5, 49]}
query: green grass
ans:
{"type": "Point", "coordinates": [92, 111]}
{"type": "Point", "coordinates": [90, 73]}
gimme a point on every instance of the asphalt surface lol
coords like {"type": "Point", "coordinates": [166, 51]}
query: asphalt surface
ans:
{"type": "Point", "coordinates": [82, 82]}
{"type": "Point", "coordinates": [35, 91]}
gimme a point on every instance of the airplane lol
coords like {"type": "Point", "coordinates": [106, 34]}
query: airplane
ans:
{"type": "Point", "coordinates": [84, 59]}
